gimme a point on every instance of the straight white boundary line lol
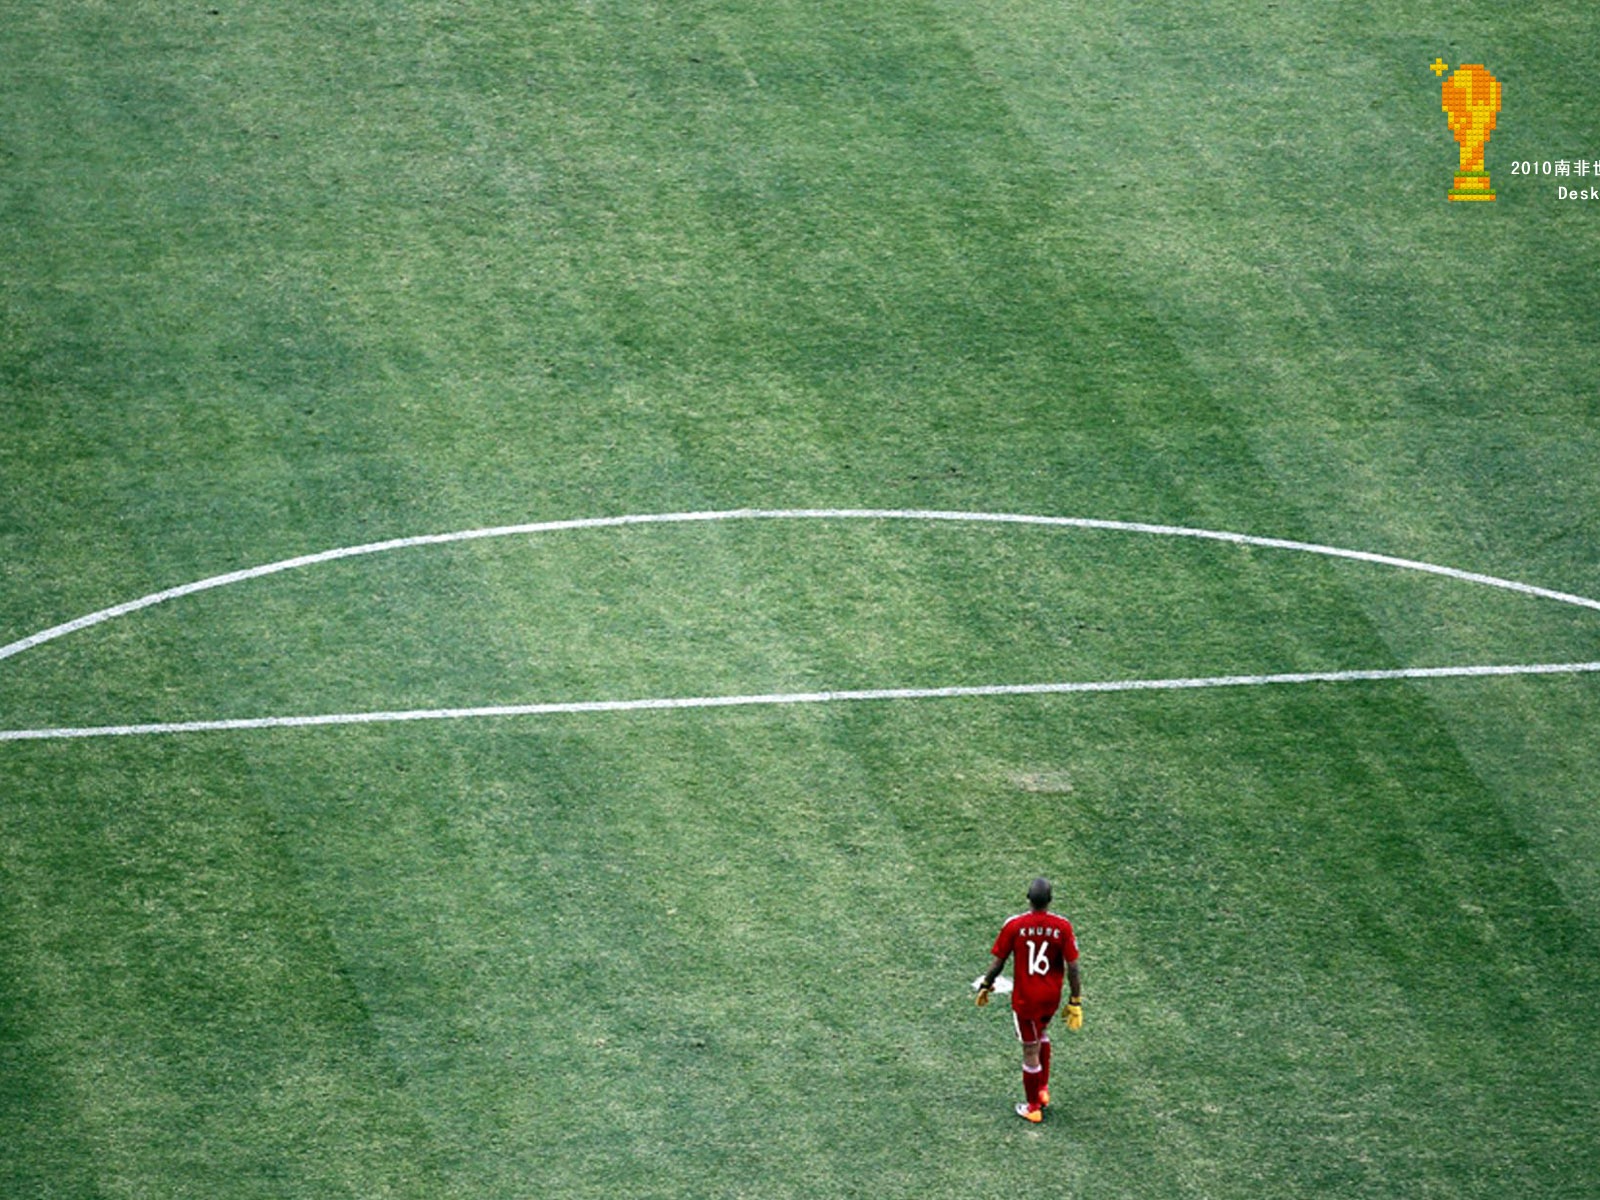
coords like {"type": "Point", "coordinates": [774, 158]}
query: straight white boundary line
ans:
{"type": "Point", "coordinates": [770, 514]}
{"type": "Point", "coordinates": [782, 698]}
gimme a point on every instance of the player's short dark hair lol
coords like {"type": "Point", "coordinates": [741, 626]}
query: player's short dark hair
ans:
{"type": "Point", "coordinates": [1039, 892]}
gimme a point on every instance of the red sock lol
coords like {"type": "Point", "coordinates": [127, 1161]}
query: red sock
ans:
{"type": "Point", "coordinates": [1032, 1084]}
{"type": "Point", "coordinates": [1044, 1060]}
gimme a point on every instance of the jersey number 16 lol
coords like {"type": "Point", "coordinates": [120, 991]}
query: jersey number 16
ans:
{"type": "Point", "coordinates": [1038, 958]}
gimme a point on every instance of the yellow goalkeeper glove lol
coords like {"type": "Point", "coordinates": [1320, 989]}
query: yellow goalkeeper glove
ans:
{"type": "Point", "coordinates": [983, 994]}
{"type": "Point", "coordinates": [1075, 1013]}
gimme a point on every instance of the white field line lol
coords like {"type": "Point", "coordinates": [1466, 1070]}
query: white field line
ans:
{"type": "Point", "coordinates": [781, 698]}
{"type": "Point", "coordinates": [752, 514]}
{"type": "Point", "coordinates": [768, 514]}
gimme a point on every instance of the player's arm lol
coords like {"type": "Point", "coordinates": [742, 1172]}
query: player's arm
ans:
{"type": "Point", "coordinates": [996, 965]}
{"type": "Point", "coordinates": [986, 984]}
{"type": "Point", "coordinates": [1074, 996]}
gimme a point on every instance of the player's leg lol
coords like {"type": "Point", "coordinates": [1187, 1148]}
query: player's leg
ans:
{"type": "Point", "coordinates": [1041, 1027]}
{"type": "Point", "coordinates": [1033, 1076]}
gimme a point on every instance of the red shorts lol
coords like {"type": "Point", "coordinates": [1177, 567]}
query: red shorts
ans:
{"type": "Point", "coordinates": [1030, 1029]}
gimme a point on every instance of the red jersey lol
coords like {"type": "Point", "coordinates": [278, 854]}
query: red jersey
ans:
{"type": "Point", "coordinates": [1044, 945]}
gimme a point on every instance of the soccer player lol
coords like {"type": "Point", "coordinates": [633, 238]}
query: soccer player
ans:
{"type": "Point", "coordinates": [1046, 953]}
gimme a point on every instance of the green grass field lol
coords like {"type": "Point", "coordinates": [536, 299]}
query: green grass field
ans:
{"type": "Point", "coordinates": [285, 278]}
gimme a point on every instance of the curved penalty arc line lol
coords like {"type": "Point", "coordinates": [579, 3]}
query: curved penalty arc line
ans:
{"type": "Point", "coordinates": [770, 514]}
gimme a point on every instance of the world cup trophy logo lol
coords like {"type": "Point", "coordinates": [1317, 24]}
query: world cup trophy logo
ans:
{"type": "Point", "coordinates": [1472, 102]}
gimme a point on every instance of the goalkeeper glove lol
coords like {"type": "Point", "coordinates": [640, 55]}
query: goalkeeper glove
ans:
{"type": "Point", "coordinates": [984, 992]}
{"type": "Point", "coordinates": [1075, 1013]}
